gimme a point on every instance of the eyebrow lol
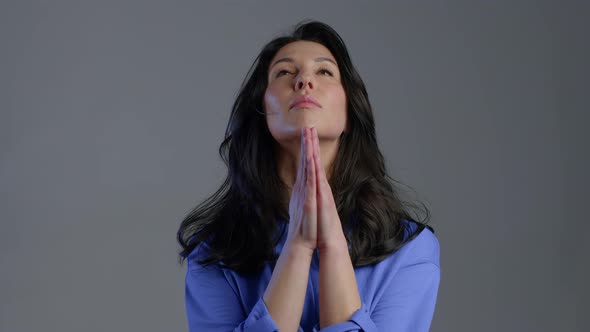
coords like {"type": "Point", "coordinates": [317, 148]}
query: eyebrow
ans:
{"type": "Point", "coordinates": [318, 59]}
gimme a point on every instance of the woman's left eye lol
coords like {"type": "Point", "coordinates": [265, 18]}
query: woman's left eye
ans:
{"type": "Point", "coordinates": [323, 71]}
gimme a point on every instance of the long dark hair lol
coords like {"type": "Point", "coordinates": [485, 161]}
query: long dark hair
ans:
{"type": "Point", "coordinates": [239, 223]}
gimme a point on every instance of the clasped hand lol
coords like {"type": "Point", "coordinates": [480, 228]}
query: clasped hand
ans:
{"type": "Point", "coordinates": [314, 221]}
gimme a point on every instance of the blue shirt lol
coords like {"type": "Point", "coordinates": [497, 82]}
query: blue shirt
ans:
{"type": "Point", "coordinates": [397, 294]}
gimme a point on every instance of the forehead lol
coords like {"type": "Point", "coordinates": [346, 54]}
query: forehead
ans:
{"type": "Point", "coordinates": [302, 50]}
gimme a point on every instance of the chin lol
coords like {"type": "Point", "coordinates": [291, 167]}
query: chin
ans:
{"type": "Point", "coordinates": [297, 125]}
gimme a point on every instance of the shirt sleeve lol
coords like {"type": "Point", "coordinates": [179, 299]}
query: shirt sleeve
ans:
{"type": "Point", "coordinates": [213, 305]}
{"type": "Point", "coordinates": [409, 298]}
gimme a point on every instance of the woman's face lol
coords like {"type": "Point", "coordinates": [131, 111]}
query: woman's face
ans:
{"type": "Point", "coordinates": [304, 69]}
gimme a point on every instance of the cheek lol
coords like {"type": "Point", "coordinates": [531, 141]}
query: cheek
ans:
{"type": "Point", "coordinates": [272, 107]}
{"type": "Point", "coordinates": [272, 100]}
{"type": "Point", "coordinates": [339, 101]}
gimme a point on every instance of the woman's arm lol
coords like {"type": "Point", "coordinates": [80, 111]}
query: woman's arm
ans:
{"type": "Point", "coordinates": [407, 294]}
{"type": "Point", "coordinates": [213, 305]}
{"type": "Point", "coordinates": [285, 293]}
{"type": "Point", "coordinates": [339, 296]}
{"type": "Point", "coordinates": [409, 300]}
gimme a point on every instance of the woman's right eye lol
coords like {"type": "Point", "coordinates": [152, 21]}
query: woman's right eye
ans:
{"type": "Point", "coordinates": [280, 72]}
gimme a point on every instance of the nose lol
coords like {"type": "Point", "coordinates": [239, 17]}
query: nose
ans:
{"type": "Point", "coordinates": [304, 81]}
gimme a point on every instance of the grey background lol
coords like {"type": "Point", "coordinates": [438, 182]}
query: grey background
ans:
{"type": "Point", "coordinates": [111, 113]}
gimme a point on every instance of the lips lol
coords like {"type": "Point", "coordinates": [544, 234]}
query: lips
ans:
{"type": "Point", "coordinates": [304, 101]}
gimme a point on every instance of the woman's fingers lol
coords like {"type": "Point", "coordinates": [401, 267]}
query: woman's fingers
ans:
{"type": "Point", "coordinates": [298, 190]}
{"type": "Point", "coordinates": [303, 203]}
{"type": "Point", "coordinates": [311, 169]}
{"type": "Point", "coordinates": [324, 190]}
{"type": "Point", "coordinates": [300, 169]}
{"type": "Point", "coordinates": [316, 155]}
{"type": "Point", "coordinates": [320, 173]}
{"type": "Point", "coordinates": [310, 222]}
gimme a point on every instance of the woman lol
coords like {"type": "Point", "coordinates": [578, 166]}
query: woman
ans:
{"type": "Point", "coordinates": [307, 232]}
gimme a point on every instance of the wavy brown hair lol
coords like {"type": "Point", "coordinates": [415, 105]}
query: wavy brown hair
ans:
{"type": "Point", "coordinates": [239, 222]}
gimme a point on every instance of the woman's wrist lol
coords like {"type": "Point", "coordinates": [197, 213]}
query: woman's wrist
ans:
{"type": "Point", "coordinates": [296, 250]}
{"type": "Point", "coordinates": [334, 245]}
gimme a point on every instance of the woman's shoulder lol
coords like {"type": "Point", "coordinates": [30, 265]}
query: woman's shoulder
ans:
{"type": "Point", "coordinates": [200, 252]}
{"type": "Point", "coordinates": [424, 247]}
